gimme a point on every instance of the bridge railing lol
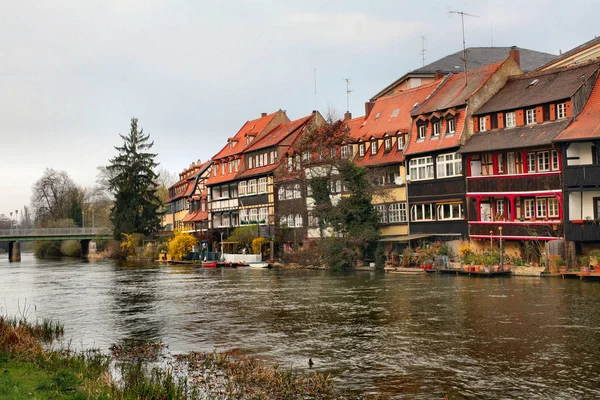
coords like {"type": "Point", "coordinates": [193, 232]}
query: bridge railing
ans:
{"type": "Point", "coordinates": [17, 232]}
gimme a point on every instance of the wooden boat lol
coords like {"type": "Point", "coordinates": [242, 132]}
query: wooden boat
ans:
{"type": "Point", "coordinates": [209, 264]}
{"type": "Point", "coordinates": [258, 264]}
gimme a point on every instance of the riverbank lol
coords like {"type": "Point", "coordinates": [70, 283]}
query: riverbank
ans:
{"type": "Point", "coordinates": [30, 369]}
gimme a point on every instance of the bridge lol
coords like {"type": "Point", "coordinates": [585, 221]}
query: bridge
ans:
{"type": "Point", "coordinates": [84, 235]}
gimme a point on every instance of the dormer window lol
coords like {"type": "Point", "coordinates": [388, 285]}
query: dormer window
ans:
{"type": "Point", "coordinates": [561, 110]}
{"type": "Point", "coordinates": [388, 144]}
{"type": "Point", "coordinates": [421, 132]}
{"type": "Point", "coordinates": [482, 124]}
{"type": "Point", "coordinates": [451, 122]}
{"type": "Point", "coordinates": [400, 142]}
{"type": "Point", "coordinates": [374, 147]}
{"type": "Point", "coordinates": [223, 169]}
{"type": "Point", "coordinates": [530, 116]}
{"type": "Point", "coordinates": [436, 128]}
{"type": "Point", "coordinates": [509, 120]}
{"type": "Point", "coordinates": [377, 115]}
{"type": "Point", "coordinates": [395, 113]}
{"type": "Point", "coordinates": [361, 150]}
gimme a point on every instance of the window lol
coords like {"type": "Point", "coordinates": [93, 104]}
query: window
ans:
{"type": "Point", "coordinates": [298, 161]}
{"type": "Point", "coordinates": [230, 164]}
{"type": "Point", "coordinates": [273, 157]}
{"type": "Point", "coordinates": [397, 212]}
{"type": "Point", "coordinates": [395, 113]}
{"type": "Point", "coordinates": [306, 156]}
{"type": "Point", "coordinates": [224, 192]}
{"type": "Point", "coordinates": [388, 144]}
{"type": "Point", "coordinates": [510, 163]}
{"type": "Point", "coordinates": [400, 142]}
{"type": "Point", "coordinates": [253, 215]}
{"type": "Point", "coordinates": [531, 162]}
{"type": "Point", "coordinates": [450, 211]}
{"type": "Point", "coordinates": [281, 193]}
{"type": "Point", "coordinates": [332, 153]}
{"type": "Point", "coordinates": [543, 158]}
{"type": "Point", "coordinates": [374, 147]}
{"type": "Point", "coordinates": [225, 221]}
{"type": "Point", "coordinates": [233, 188]}
{"type": "Point", "coordinates": [251, 188]}
{"type": "Point", "coordinates": [290, 163]}
{"type": "Point", "coordinates": [344, 151]}
{"type": "Point", "coordinates": [250, 163]}
{"type": "Point", "coordinates": [262, 185]}
{"type": "Point", "coordinates": [338, 186]}
{"type": "Point", "coordinates": [215, 171]}
{"type": "Point", "coordinates": [297, 192]}
{"type": "Point", "coordinates": [299, 221]}
{"type": "Point", "coordinates": [421, 168]}
{"type": "Point", "coordinates": [223, 169]}
{"type": "Point", "coordinates": [553, 207]}
{"type": "Point", "coordinates": [361, 150]}
{"type": "Point", "coordinates": [529, 210]}
{"type": "Point", "coordinates": [242, 188]}
{"type": "Point", "coordinates": [216, 193]}
{"type": "Point", "coordinates": [263, 215]}
{"type": "Point", "coordinates": [449, 165]}
{"type": "Point", "coordinates": [561, 110]}
{"type": "Point", "coordinates": [510, 120]}
{"type": "Point", "coordinates": [382, 211]}
{"type": "Point", "coordinates": [541, 208]}
{"type": "Point", "coordinates": [555, 163]}
{"type": "Point", "coordinates": [290, 221]}
{"type": "Point", "coordinates": [451, 126]}
{"type": "Point", "coordinates": [596, 207]}
{"type": "Point", "coordinates": [283, 221]}
{"type": "Point", "coordinates": [243, 216]}
{"type": "Point", "coordinates": [421, 132]}
{"type": "Point", "coordinates": [482, 124]}
{"type": "Point", "coordinates": [500, 207]}
{"type": "Point", "coordinates": [501, 162]}
{"type": "Point", "coordinates": [377, 115]}
{"type": "Point", "coordinates": [421, 212]}
{"type": "Point", "coordinates": [437, 128]}
{"type": "Point", "coordinates": [530, 116]}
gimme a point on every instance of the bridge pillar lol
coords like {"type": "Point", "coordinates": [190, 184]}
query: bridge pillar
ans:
{"type": "Point", "coordinates": [14, 251]}
{"type": "Point", "coordinates": [85, 248]}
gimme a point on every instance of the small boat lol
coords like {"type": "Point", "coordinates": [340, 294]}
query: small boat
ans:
{"type": "Point", "coordinates": [258, 264]}
{"type": "Point", "coordinates": [209, 264]}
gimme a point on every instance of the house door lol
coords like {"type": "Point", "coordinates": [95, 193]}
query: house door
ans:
{"type": "Point", "coordinates": [476, 168]}
{"type": "Point", "coordinates": [486, 211]}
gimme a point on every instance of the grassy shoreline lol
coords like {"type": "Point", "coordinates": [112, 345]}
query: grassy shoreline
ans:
{"type": "Point", "coordinates": [29, 369]}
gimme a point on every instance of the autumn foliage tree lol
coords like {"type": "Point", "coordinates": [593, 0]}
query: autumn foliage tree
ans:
{"type": "Point", "coordinates": [181, 244]}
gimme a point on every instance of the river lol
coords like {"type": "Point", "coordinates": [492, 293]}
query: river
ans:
{"type": "Point", "coordinates": [405, 336]}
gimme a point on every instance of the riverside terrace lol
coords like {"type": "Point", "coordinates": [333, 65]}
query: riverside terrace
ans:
{"type": "Point", "coordinates": [84, 235]}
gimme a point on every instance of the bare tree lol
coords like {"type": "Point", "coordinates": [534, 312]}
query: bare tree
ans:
{"type": "Point", "coordinates": [54, 195]}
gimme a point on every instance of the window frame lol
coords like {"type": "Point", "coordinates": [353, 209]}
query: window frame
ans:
{"type": "Point", "coordinates": [424, 164]}
{"type": "Point", "coordinates": [396, 213]}
{"type": "Point", "coordinates": [421, 132]}
{"type": "Point", "coordinates": [561, 110]}
{"type": "Point", "coordinates": [541, 204]}
{"type": "Point", "coordinates": [361, 150]}
{"type": "Point", "coordinates": [512, 119]}
{"type": "Point", "coordinates": [543, 157]}
{"type": "Point", "coordinates": [381, 213]}
{"type": "Point", "coordinates": [551, 208]}
{"type": "Point", "coordinates": [387, 144]}
{"type": "Point", "coordinates": [443, 164]}
{"type": "Point", "coordinates": [482, 124]}
{"type": "Point", "coordinates": [555, 160]}
{"type": "Point", "coordinates": [530, 116]}
{"type": "Point", "coordinates": [451, 126]}
{"type": "Point", "coordinates": [262, 182]}
{"type": "Point", "coordinates": [374, 148]}
{"type": "Point", "coordinates": [529, 208]}
{"type": "Point", "coordinates": [441, 215]}
{"type": "Point", "coordinates": [436, 128]}
{"type": "Point", "coordinates": [414, 212]}
{"type": "Point", "coordinates": [251, 187]}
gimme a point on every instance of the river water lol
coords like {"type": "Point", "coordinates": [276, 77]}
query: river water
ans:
{"type": "Point", "coordinates": [405, 336]}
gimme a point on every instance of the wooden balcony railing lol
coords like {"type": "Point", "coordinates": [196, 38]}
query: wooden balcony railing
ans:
{"type": "Point", "coordinates": [514, 183]}
{"type": "Point", "coordinates": [583, 175]}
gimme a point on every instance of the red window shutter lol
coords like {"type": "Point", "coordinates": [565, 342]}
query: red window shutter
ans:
{"type": "Point", "coordinates": [520, 118]}
{"type": "Point", "coordinates": [488, 122]}
{"type": "Point", "coordinates": [475, 124]}
{"type": "Point", "coordinates": [500, 120]}
{"type": "Point", "coordinates": [569, 109]}
{"type": "Point", "coordinates": [552, 112]}
{"type": "Point", "coordinates": [539, 114]}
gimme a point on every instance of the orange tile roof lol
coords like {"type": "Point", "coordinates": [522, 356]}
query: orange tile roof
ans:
{"type": "Point", "coordinates": [254, 127]}
{"type": "Point", "coordinates": [195, 216]}
{"type": "Point", "coordinates": [442, 142]}
{"type": "Point", "coordinates": [213, 180]}
{"type": "Point", "coordinates": [393, 156]}
{"type": "Point", "coordinates": [586, 125]}
{"type": "Point", "coordinates": [278, 134]}
{"type": "Point", "coordinates": [355, 127]}
{"type": "Point", "coordinates": [385, 119]}
{"type": "Point", "coordinates": [453, 92]}
{"type": "Point", "coordinates": [188, 181]}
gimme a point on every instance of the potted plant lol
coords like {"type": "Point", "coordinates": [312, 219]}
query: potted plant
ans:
{"type": "Point", "coordinates": [562, 265]}
{"type": "Point", "coordinates": [595, 260]}
{"type": "Point", "coordinates": [584, 264]}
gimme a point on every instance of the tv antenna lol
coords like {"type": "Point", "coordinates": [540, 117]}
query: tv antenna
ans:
{"type": "Point", "coordinates": [462, 19]}
{"type": "Point", "coordinates": [423, 49]}
{"type": "Point", "coordinates": [348, 90]}
{"type": "Point", "coordinates": [315, 80]}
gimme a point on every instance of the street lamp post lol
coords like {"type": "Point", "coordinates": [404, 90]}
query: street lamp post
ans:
{"type": "Point", "coordinates": [491, 241]}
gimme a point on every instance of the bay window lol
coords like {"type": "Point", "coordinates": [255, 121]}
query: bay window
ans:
{"type": "Point", "coordinates": [397, 212]}
{"type": "Point", "coordinates": [449, 211]}
{"type": "Point", "coordinates": [421, 168]}
{"type": "Point", "coordinates": [421, 212]}
{"type": "Point", "coordinates": [449, 165]}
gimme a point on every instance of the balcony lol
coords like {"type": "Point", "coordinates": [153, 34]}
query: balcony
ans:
{"type": "Point", "coordinates": [437, 188]}
{"type": "Point", "coordinates": [582, 176]}
{"type": "Point", "coordinates": [514, 183]}
{"type": "Point", "coordinates": [584, 231]}
{"type": "Point", "coordinates": [542, 230]}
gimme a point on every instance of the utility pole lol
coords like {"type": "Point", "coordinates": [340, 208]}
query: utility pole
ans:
{"type": "Point", "coordinates": [462, 19]}
{"type": "Point", "coordinates": [348, 90]}
{"type": "Point", "coordinates": [423, 49]}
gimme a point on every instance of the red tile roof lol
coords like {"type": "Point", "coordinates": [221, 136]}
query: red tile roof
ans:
{"type": "Point", "coordinates": [355, 127]}
{"type": "Point", "coordinates": [188, 182]}
{"type": "Point", "coordinates": [453, 92]}
{"type": "Point", "coordinates": [444, 141]}
{"type": "Point", "coordinates": [254, 127]}
{"type": "Point", "coordinates": [278, 134]}
{"type": "Point", "coordinates": [393, 156]}
{"type": "Point", "coordinates": [213, 180]}
{"type": "Point", "coordinates": [586, 125]}
{"type": "Point", "coordinates": [195, 216]}
{"type": "Point", "coordinates": [385, 119]}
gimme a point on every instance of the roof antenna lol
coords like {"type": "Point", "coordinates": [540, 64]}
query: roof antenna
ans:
{"type": "Point", "coordinates": [423, 49]}
{"type": "Point", "coordinates": [348, 90]}
{"type": "Point", "coordinates": [315, 80]}
{"type": "Point", "coordinates": [462, 19]}
{"type": "Point", "coordinates": [491, 35]}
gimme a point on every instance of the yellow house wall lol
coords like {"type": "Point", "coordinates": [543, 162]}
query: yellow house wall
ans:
{"type": "Point", "coordinates": [394, 230]}
{"type": "Point", "coordinates": [393, 194]}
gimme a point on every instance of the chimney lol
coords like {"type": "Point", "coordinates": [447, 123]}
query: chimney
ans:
{"type": "Point", "coordinates": [262, 115]}
{"type": "Point", "coordinates": [347, 116]}
{"type": "Point", "coordinates": [515, 54]}
{"type": "Point", "coordinates": [438, 75]}
{"type": "Point", "coordinates": [368, 108]}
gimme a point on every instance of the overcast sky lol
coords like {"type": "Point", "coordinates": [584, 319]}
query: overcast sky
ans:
{"type": "Point", "coordinates": [73, 73]}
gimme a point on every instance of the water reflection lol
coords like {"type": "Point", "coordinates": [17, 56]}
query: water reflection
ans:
{"type": "Point", "coordinates": [406, 336]}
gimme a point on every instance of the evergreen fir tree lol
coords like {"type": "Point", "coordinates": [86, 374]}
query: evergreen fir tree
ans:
{"type": "Point", "coordinates": [133, 184]}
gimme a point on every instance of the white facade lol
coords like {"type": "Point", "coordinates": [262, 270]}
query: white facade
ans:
{"type": "Point", "coordinates": [579, 153]}
{"type": "Point", "coordinates": [581, 204]}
